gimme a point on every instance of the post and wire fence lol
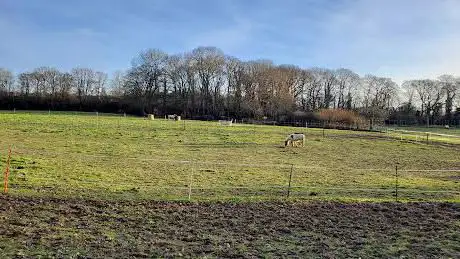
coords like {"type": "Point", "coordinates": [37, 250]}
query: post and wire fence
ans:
{"type": "Point", "coordinates": [399, 134]}
{"type": "Point", "coordinates": [156, 178]}
{"type": "Point", "coordinates": [201, 180]}
{"type": "Point", "coordinates": [6, 175]}
{"type": "Point", "coordinates": [397, 182]}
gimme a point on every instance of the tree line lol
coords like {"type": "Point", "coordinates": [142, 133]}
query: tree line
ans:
{"type": "Point", "coordinates": [206, 83]}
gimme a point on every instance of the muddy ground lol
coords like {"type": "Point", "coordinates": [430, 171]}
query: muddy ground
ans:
{"type": "Point", "coordinates": [32, 227]}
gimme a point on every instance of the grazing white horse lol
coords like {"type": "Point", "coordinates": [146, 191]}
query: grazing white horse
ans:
{"type": "Point", "coordinates": [294, 138]}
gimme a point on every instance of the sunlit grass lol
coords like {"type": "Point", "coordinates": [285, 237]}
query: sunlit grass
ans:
{"type": "Point", "coordinates": [129, 157]}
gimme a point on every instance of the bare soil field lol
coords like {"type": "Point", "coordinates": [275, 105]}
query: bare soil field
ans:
{"type": "Point", "coordinates": [77, 228]}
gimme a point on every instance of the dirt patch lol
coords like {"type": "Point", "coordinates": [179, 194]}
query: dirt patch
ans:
{"type": "Point", "coordinates": [62, 228]}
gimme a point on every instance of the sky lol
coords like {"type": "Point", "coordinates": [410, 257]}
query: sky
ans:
{"type": "Point", "coordinates": [401, 39]}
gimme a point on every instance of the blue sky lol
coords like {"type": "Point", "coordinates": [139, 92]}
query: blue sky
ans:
{"type": "Point", "coordinates": [400, 39]}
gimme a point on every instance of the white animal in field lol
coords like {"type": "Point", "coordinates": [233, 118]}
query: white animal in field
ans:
{"type": "Point", "coordinates": [294, 139]}
{"type": "Point", "coordinates": [172, 117]}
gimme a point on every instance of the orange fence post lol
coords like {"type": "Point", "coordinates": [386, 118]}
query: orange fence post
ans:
{"type": "Point", "coordinates": [7, 172]}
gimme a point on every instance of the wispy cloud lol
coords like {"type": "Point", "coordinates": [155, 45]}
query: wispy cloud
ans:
{"type": "Point", "coordinates": [27, 48]}
{"type": "Point", "coordinates": [400, 39]}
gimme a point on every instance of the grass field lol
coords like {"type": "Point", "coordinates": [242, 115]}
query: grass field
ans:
{"type": "Point", "coordinates": [110, 186]}
{"type": "Point", "coordinates": [438, 129]}
{"type": "Point", "coordinates": [118, 157]}
{"type": "Point", "coordinates": [428, 135]}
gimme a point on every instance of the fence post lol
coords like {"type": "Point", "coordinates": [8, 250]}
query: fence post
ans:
{"type": "Point", "coordinates": [290, 178]}
{"type": "Point", "coordinates": [396, 186]}
{"type": "Point", "coordinates": [190, 182]}
{"type": "Point", "coordinates": [7, 172]}
{"type": "Point", "coordinates": [427, 137]}
{"type": "Point", "coordinates": [97, 119]}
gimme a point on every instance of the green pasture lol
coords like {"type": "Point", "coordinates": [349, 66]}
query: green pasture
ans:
{"type": "Point", "coordinates": [117, 157]}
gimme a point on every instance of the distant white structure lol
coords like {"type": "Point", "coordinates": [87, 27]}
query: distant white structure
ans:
{"type": "Point", "coordinates": [226, 123]}
{"type": "Point", "coordinates": [151, 117]}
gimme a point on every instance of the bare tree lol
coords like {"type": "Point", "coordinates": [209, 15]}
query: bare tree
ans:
{"type": "Point", "coordinates": [117, 84]}
{"type": "Point", "coordinates": [321, 88]}
{"type": "Point", "coordinates": [39, 81]}
{"type": "Point", "coordinates": [234, 70]}
{"type": "Point", "coordinates": [257, 89]}
{"type": "Point", "coordinates": [328, 83]}
{"type": "Point", "coordinates": [379, 93]}
{"type": "Point", "coordinates": [301, 93]}
{"type": "Point", "coordinates": [430, 93]}
{"type": "Point", "coordinates": [288, 80]}
{"type": "Point", "coordinates": [408, 91]}
{"type": "Point", "coordinates": [450, 87]}
{"type": "Point", "coordinates": [83, 81]}
{"type": "Point", "coordinates": [192, 81]}
{"type": "Point", "coordinates": [205, 81]}
{"type": "Point", "coordinates": [50, 84]}
{"type": "Point", "coordinates": [65, 82]}
{"type": "Point", "coordinates": [100, 82]}
{"type": "Point", "coordinates": [144, 78]}
{"type": "Point", "coordinates": [347, 83]}
{"type": "Point", "coordinates": [6, 82]}
{"type": "Point", "coordinates": [209, 65]}
{"type": "Point", "coordinates": [25, 83]}
{"type": "Point", "coordinates": [50, 77]}
{"type": "Point", "coordinates": [178, 76]}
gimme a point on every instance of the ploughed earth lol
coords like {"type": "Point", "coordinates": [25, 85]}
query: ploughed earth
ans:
{"type": "Point", "coordinates": [33, 227]}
